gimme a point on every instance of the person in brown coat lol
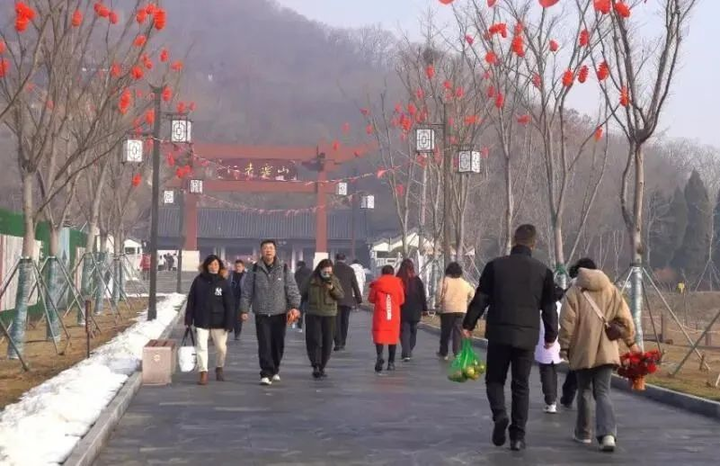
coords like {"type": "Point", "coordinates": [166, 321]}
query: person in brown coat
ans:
{"type": "Point", "coordinates": [589, 303]}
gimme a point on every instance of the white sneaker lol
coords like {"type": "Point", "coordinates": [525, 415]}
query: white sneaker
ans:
{"type": "Point", "coordinates": [551, 409]}
{"type": "Point", "coordinates": [265, 381]}
{"type": "Point", "coordinates": [276, 378]}
{"type": "Point", "coordinates": [578, 439]}
{"type": "Point", "coordinates": [607, 443]}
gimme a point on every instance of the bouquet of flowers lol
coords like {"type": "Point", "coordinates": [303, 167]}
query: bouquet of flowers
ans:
{"type": "Point", "coordinates": [635, 367]}
{"type": "Point", "coordinates": [466, 365]}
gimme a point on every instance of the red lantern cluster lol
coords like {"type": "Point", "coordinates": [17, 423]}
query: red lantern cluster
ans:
{"type": "Point", "coordinates": [24, 14]}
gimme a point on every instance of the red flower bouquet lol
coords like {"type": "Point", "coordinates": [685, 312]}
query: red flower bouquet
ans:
{"type": "Point", "coordinates": [635, 367]}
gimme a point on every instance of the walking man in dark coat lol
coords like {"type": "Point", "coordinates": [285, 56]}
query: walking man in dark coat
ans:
{"type": "Point", "coordinates": [236, 278]}
{"type": "Point", "coordinates": [352, 296]}
{"type": "Point", "coordinates": [515, 288]}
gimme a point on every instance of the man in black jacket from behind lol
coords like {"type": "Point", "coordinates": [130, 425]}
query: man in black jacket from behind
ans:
{"type": "Point", "coordinates": [514, 288]}
{"type": "Point", "coordinates": [352, 297]}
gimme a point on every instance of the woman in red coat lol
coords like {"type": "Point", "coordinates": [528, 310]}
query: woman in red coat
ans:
{"type": "Point", "coordinates": [388, 295]}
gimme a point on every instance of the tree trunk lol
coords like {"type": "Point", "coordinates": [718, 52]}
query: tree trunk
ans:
{"type": "Point", "coordinates": [100, 281]}
{"type": "Point", "coordinates": [92, 227]}
{"type": "Point", "coordinates": [559, 252]}
{"type": "Point", "coordinates": [25, 270]}
{"type": "Point", "coordinates": [509, 206]}
{"type": "Point", "coordinates": [54, 286]}
{"type": "Point", "coordinates": [636, 237]}
{"type": "Point", "coordinates": [118, 284]}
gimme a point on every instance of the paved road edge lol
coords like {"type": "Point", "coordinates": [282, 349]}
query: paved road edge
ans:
{"type": "Point", "coordinates": [691, 403]}
{"type": "Point", "coordinates": [89, 447]}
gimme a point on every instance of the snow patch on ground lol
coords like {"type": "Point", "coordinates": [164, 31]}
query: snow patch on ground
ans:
{"type": "Point", "coordinates": [49, 420]}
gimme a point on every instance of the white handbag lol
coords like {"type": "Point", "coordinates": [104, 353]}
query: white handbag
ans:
{"type": "Point", "coordinates": [187, 355]}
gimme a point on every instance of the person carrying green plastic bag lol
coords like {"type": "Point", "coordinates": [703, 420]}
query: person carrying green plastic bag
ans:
{"type": "Point", "coordinates": [466, 365]}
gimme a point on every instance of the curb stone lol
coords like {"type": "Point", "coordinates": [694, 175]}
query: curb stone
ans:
{"type": "Point", "coordinates": [89, 447]}
{"type": "Point", "coordinates": [691, 403]}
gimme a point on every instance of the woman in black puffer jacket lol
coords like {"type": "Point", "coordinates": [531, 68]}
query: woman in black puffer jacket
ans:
{"type": "Point", "coordinates": [414, 307]}
{"type": "Point", "coordinates": [211, 309]}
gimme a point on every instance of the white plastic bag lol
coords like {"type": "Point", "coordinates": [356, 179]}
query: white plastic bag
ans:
{"type": "Point", "coordinates": [187, 355]}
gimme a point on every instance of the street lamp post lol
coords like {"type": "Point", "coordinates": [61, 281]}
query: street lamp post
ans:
{"type": "Point", "coordinates": [155, 200]}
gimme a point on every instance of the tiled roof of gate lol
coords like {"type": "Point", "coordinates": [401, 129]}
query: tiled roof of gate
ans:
{"type": "Point", "coordinates": [233, 224]}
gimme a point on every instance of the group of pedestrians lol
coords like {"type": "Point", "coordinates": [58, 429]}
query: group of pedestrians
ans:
{"type": "Point", "coordinates": [517, 293]}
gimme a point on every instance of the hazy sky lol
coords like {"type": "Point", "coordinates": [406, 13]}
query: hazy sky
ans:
{"type": "Point", "coordinates": [694, 108]}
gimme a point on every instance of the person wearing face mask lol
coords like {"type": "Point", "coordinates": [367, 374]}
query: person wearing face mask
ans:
{"type": "Point", "coordinates": [321, 291]}
{"type": "Point", "coordinates": [211, 309]}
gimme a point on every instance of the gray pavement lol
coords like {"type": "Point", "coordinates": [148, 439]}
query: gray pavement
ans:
{"type": "Point", "coordinates": [413, 416]}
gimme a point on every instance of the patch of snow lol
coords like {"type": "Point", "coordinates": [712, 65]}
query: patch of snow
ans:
{"type": "Point", "coordinates": [50, 419]}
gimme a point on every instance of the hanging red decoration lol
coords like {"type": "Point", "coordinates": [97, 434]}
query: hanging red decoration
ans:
{"type": "Point", "coordinates": [170, 159]}
{"type": "Point", "coordinates": [114, 18]}
{"type": "Point", "coordinates": [150, 117]}
{"type": "Point", "coordinates": [125, 101]}
{"type": "Point", "coordinates": [167, 94]}
{"type": "Point", "coordinates": [568, 78]}
{"type": "Point", "coordinates": [77, 19]}
{"type": "Point", "coordinates": [491, 58]}
{"type": "Point", "coordinates": [491, 92]}
{"type": "Point", "coordinates": [180, 107]}
{"type": "Point", "coordinates": [602, 6]}
{"type": "Point", "coordinates": [472, 120]}
{"type": "Point", "coordinates": [400, 190]}
{"type": "Point", "coordinates": [583, 74]}
{"type": "Point", "coordinates": [624, 97]}
{"type": "Point", "coordinates": [446, 2]}
{"type": "Point", "coordinates": [336, 145]}
{"type": "Point", "coordinates": [584, 38]}
{"type": "Point", "coordinates": [141, 16]}
{"type": "Point", "coordinates": [147, 62]}
{"type": "Point", "coordinates": [365, 111]}
{"type": "Point", "coordinates": [102, 11]}
{"type": "Point", "coordinates": [430, 71]}
{"type": "Point", "coordinates": [491, 3]}
{"type": "Point", "coordinates": [499, 100]}
{"type": "Point", "coordinates": [459, 92]}
{"type": "Point", "coordinates": [523, 119]}
{"type": "Point", "coordinates": [4, 67]}
{"type": "Point", "coordinates": [554, 46]}
{"type": "Point", "coordinates": [518, 45]}
{"type": "Point", "coordinates": [164, 55]}
{"type": "Point", "coordinates": [369, 129]}
{"type": "Point", "coordinates": [603, 71]}
{"type": "Point", "coordinates": [536, 80]}
{"type": "Point", "coordinates": [191, 107]}
{"type": "Point", "coordinates": [548, 3]}
{"type": "Point", "coordinates": [137, 72]}
{"type": "Point", "coordinates": [598, 133]}
{"type": "Point", "coordinates": [136, 180]}
{"type": "Point", "coordinates": [485, 152]}
{"type": "Point", "coordinates": [24, 14]}
{"type": "Point", "coordinates": [622, 9]}
{"type": "Point", "coordinates": [411, 109]}
{"type": "Point", "coordinates": [498, 28]}
{"type": "Point", "coordinates": [160, 19]}
{"type": "Point", "coordinates": [2, 47]}
{"type": "Point", "coordinates": [140, 41]}
{"type": "Point", "coordinates": [420, 94]}
{"type": "Point", "coordinates": [177, 66]}
{"type": "Point", "coordinates": [151, 8]}
{"type": "Point", "coordinates": [447, 85]}
{"type": "Point", "coordinates": [469, 39]}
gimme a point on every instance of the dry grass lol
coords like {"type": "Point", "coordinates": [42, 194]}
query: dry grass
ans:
{"type": "Point", "coordinates": [42, 358]}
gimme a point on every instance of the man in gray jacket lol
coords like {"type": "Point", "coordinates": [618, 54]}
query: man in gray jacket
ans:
{"type": "Point", "coordinates": [270, 290]}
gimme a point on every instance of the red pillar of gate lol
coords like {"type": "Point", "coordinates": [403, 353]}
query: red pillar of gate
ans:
{"type": "Point", "coordinates": [321, 226]}
{"type": "Point", "coordinates": [191, 222]}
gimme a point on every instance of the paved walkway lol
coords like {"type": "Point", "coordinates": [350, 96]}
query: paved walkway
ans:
{"type": "Point", "coordinates": [413, 416]}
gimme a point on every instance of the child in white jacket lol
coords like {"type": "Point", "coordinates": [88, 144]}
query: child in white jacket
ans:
{"type": "Point", "coordinates": [548, 359]}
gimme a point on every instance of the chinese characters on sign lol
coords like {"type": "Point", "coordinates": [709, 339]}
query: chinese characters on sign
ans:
{"type": "Point", "coordinates": [242, 169]}
{"type": "Point", "coordinates": [133, 151]}
{"type": "Point", "coordinates": [168, 197]}
{"type": "Point", "coordinates": [196, 186]}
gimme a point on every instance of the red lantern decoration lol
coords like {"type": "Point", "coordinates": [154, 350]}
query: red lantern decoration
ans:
{"type": "Point", "coordinates": [136, 180]}
{"type": "Point", "coordinates": [137, 72]}
{"type": "Point", "coordinates": [177, 66]}
{"type": "Point", "coordinates": [622, 9]}
{"type": "Point", "coordinates": [603, 71]}
{"type": "Point", "coordinates": [568, 78]}
{"type": "Point", "coordinates": [430, 71]}
{"type": "Point", "coordinates": [548, 3]}
{"type": "Point", "coordinates": [4, 67]}
{"type": "Point", "coordinates": [554, 46]}
{"type": "Point", "coordinates": [598, 133]}
{"type": "Point", "coordinates": [164, 55]}
{"type": "Point", "coordinates": [167, 94]}
{"type": "Point", "coordinates": [160, 19]}
{"type": "Point", "coordinates": [583, 74]}
{"type": "Point", "coordinates": [584, 38]}
{"type": "Point", "coordinates": [602, 6]}
{"type": "Point", "coordinates": [77, 19]}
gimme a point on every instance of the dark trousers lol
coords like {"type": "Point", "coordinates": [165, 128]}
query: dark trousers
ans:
{"type": "Point", "coordinates": [569, 388]}
{"type": "Point", "coordinates": [500, 358]}
{"type": "Point", "coordinates": [271, 342]}
{"type": "Point", "coordinates": [408, 337]}
{"type": "Point", "coordinates": [237, 326]}
{"type": "Point", "coordinates": [319, 332]}
{"type": "Point", "coordinates": [392, 349]}
{"type": "Point", "coordinates": [303, 309]}
{"type": "Point", "coordinates": [548, 380]}
{"type": "Point", "coordinates": [343, 324]}
{"type": "Point", "coordinates": [451, 325]}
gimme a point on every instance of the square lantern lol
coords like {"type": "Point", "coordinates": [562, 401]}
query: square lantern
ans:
{"type": "Point", "coordinates": [181, 131]}
{"type": "Point", "coordinates": [196, 186]}
{"type": "Point", "coordinates": [425, 140]}
{"type": "Point", "coordinates": [367, 202]}
{"type": "Point", "coordinates": [341, 189]}
{"type": "Point", "coordinates": [133, 151]}
{"type": "Point", "coordinates": [168, 197]}
{"type": "Point", "coordinates": [469, 161]}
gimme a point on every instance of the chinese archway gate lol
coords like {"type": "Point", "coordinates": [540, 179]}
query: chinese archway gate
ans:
{"type": "Point", "coordinates": [268, 169]}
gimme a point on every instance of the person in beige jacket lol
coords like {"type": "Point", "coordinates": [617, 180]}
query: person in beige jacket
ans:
{"type": "Point", "coordinates": [452, 302]}
{"type": "Point", "coordinates": [584, 343]}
